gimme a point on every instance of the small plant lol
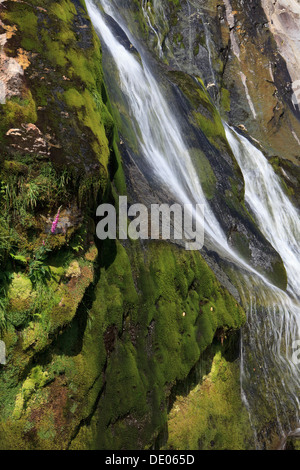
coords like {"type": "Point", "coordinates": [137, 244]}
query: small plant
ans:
{"type": "Point", "coordinates": [5, 278]}
{"type": "Point", "coordinates": [77, 244]}
{"type": "Point", "coordinates": [32, 195]}
{"type": "Point", "coordinates": [63, 181]}
{"type": "Point", "coordinates": [39, 272]}
{"type": "Point", "coordinates": [3, 304]}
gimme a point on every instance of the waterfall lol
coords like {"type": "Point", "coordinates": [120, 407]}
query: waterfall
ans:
{"type": "Point", "coordinates": [276, 216]}
{"type": "Point", "coordinates": [268, 375]}
{"type": "Point", "coordinates": [157, 130]}
{"type": "Point", "coordinates": [159, 135]}
{"type": "Point", "coordinates": [279, 221]}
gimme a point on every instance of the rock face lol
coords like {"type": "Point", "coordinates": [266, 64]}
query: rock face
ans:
{"type": "Point", "coordinates": [246, 54]}
{"type": "Point", "coordinates": [284, 17]}
{"type": "Point", "coordinates": [54, 154]}
{"type": "Point", "coordinates": [11, 71]}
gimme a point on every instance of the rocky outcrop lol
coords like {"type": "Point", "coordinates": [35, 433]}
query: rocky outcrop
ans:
{"type": "Point", "coordinates": [55, 134]}
{"type": "Point", "coordinates": [283, 19]}
{"type": "Point", "coordinates": [240, 52]}
{"type": "Point", "coordinates": [11, 69]}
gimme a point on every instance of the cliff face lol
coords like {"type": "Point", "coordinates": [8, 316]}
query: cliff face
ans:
{"type": "Point", "coordinates": [283, 18]}
{"type": "Point", "coordinates": [96, 334]}
{"type": "Point", "coordinates": [100, 337]}
{"type": "Point", "coordinates": [246, 54]}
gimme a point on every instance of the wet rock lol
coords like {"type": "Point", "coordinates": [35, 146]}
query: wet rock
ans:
{"type": "Point", "coordinates": [82, 25]}
{"type": "Point", "coordinates": [110, 337]}
{"type": "Point", "coordinates": [120, 34]}
{"type": "Point", "coordinates": [234, 45]}
{"type": "Point", "coordinates": [283, 17]}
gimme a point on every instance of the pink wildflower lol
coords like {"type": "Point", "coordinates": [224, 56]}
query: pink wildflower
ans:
{"type": "Point", "coordinates": [43, 243]}
{"type": "Point", "coordinates": [55, 222]}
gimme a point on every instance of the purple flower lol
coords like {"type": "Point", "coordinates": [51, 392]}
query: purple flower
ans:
{"type": "Point", "coordinates": [55, 222]}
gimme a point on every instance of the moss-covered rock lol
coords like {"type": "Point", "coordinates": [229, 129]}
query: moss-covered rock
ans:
{"type": "Point", "coordinates": [159, 311]}
{"type": "Point", "coordinates": [293, 443]}
{"type": "Point", "coordinates": [153, 315]}
{"type": "Point", "coordinates": [211, 416]}
{"type": "Point", "coordinates": [20, 296]}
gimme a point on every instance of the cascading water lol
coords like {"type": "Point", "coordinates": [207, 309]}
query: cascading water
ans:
{"type": "Point", "coordinates": [160, 138]}
{"type": "Point", "coordinates": [279, 221]}
{"type": "Point", "coordinates": [276, 216]}
{"type": "Point", "coordinates": [273, 315]}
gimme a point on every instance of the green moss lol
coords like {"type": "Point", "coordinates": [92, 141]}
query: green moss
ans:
{"type": "Point", "coordinates": [178, 39]}
{"type": "Point", "coordinates": [90, 118]}
{"type": "Point", "coordinates": [55, 53]}
{"type": "Point", "coordinates": [211, 416]}
{"type": "Point", "coordinates": [203, 112]}
{"type": "Point", "coordinates": [241, 244]}
{"type": "Point", "coordinates": [15, 167]}
{"type": "Point", "coordinates": [150, 344]}
{"type": "Point", "coordinates": [18, 111]}
{"type": "Point", "coordinates": [20, 297]}
{"type": "Point", "coordinates": [174, 6]}
{"type": "Point", "coordinates": [25, 19]}
{"type": "Point", "coordinates": [293, 443]}
{"type": "Point", "coordinates": [64, 10]}
{"type": "Point", "coordinates": [278, 275]}
{"type": "Point", "coordinates": [205, 172]}
{"type": "Point", "coordinates": [225, 100]}
{"type": "Point", "coordinates": [73, 98]}
{"type": "Point", "coordinates": [80, 67]}
{"type": "Point", "coordinates": [36, 380]}
{"type": "Point", "coordinates": [196, 50]}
